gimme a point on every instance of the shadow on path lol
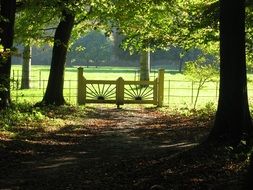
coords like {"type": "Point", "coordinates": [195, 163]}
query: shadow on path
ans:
{"type": "Point", "coordinates": [106, 149]}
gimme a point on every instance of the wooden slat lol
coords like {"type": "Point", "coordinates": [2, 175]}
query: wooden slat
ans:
{"type": "Point", "coordinates": [100, 82]}
{"type": "Point", "coordinates": [101, 101]}
{"type": "Point", "coordinates": [140, 102]}
{"type": "Point", "coordinates": [139, 82]}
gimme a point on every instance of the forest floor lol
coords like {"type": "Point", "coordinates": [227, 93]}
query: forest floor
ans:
{"type": "Point", "coordinates": [116, 149]}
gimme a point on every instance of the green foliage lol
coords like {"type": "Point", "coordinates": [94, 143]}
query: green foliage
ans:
{"type": "Point", "coordinates": [205, 112]}
{"type": "Point", "coordinates": [195, 24]}
{"type": "Point", "coordinates": [249, 35]}
{"type": "Point", "coordinates": [201, 71]}
{"type": "Point", "coordinates": [153, 24]}
{"type": "Point", "coordinates": [1, 48]}
{"type": "Point", "coordinates": [36, 21]}
{"type": "Point", "coordinates": [146, 24]}
{"type": "Point", "coordinates": [32, 23]}
{"type": "Point", "coordinates": [18, 115]}
{"type": "Point", "coordinates": [92, 48]}
{"type": "Point", "coordinates": [5, 53]}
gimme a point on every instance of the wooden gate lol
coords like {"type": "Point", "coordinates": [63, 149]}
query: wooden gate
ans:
{"type": "Point", "coordinates": [120, 92]}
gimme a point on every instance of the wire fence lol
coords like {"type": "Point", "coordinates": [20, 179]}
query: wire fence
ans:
{"type": "Point", "coordinates": [38, 88]}
{"type": "Point", "coordinates": [177, 93]}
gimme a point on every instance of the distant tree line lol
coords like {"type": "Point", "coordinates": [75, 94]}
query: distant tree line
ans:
{"type": "Point", "coordinates": [96, 49]}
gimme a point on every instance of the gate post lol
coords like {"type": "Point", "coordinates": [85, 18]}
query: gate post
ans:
{"type": "Point", "coordinates": [119, 91]}
{"type": "Point", "coordinates": [81, 87]}
{"type": "Point", "coordinates": [160, 87]}
{"type": "Point", "coordinates": [155, 92]}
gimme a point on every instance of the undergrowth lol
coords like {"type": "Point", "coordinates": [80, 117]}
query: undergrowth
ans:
{"type": "Point", "coordinates": [207, 112]}
{"type": "Point", "coordinates": [28, 115]}
{"type": "Point", "coordinates": [19, 114]}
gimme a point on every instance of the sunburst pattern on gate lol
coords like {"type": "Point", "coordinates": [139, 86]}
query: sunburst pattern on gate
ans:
{"type": "Point", "coordinates": [137, 92]}
{"type": "Point", "coordinates": [100, 91]}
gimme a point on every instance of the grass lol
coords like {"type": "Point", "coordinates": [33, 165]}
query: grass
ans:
{"type": "Point", "coordinates": [179, 91]}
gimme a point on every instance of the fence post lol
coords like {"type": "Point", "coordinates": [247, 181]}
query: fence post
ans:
{"type": "Point", "coordinates": [217, 90]}
{"type": "Point", "coordinates": [69, 90]}
{"type": "Point", "coordinates": [80, 87]}
{"type": "Point", "coordinates": [40, 79]}
{"type": "Point", "coordinates": [155, 92]}
{"type": "Point", "coordinates": [160, 87]}
{"type": "Point", "coordinates": [168, 92]}
{"type": "Point", "coordinates": [119, 91]}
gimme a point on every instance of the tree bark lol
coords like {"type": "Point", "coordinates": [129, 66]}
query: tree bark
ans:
{"type": "Point", "coordinates": [26, 67]}
{"type": "Point", "coordinates": [7, 11]}
{"type": "Point", "coordinates": [248, 182]}
{"type": "Point", "coordinates": [180, 65]}
{"type": "Point", "coordinates": [54, 91]}
{"type": "Point", "coordinates": [144, 65]}
{"type": "Point", "coordinates": [116, 43]}
{"type": "Point", "coordinates": [232, 119]}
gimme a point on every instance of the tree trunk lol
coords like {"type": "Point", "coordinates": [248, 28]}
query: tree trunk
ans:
{"type": "Point", "coordinates": [180, 65]}
{"type": "Point", "coordinates": [26, 67]}
{"type": "Point", "coordinates": [7, 11]}
{"type": "Point", "coordinates": [144, 65]}
{"type": "Point", "coordinates": [116, 49]}
{"type": "Point", "coordinates": [248, 182]}
{"type": "Point", "coordinates": [54, 91]}
{"type": "Point", "coordinates": [232, 119]}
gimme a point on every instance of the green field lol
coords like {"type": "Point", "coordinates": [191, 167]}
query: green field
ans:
{"type": "Point", "coordinates": [179, 91]}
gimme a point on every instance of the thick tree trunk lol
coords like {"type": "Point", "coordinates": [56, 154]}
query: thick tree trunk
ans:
{"type": "Point", "coordinates": [232, 119]}
{"type": "Point", "coordinates": [54, 91]}
{"type": "Point", "coordinates": [7, 11]}
{"type": "Point", "coordinates": [144, 65]}
{"type": "Point", "coordinates": [248, 182]}
{"type": "Point", "coordinates": [26, 67]}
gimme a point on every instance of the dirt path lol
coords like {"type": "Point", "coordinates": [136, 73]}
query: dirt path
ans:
{"type": "Point", "coordinates": [105, 149]}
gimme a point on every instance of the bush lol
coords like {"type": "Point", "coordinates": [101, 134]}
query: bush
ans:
{"type": "Point", "coordinates": [201, 71]}
{"type": "Point", "coordinates": [19, 114]}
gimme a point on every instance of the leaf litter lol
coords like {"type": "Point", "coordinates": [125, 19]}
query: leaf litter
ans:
{"type": "Point", "coordinates": [111, 148]}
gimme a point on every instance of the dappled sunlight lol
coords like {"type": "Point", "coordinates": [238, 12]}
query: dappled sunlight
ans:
{"type": "Point", "coordinates": [50, 142]}
{"type": "Point", "coordinates": [56, 165]}
{"type": "Point", "coordinates": [58, 162]}
{"type": "Point", "coordinates": [104, 146]}
{"type": "Point", "coordinates": [179, 145]}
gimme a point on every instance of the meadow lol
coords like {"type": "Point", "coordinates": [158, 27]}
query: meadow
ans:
{"type": "Point", "coordinates": [179, 90]}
